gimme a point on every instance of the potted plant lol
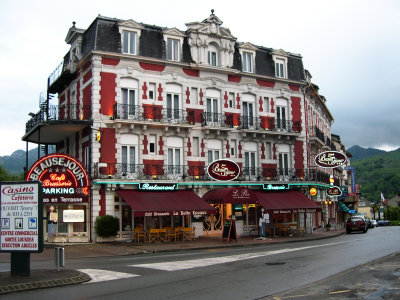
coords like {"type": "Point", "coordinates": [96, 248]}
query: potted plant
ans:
{"type": "Point", "coordinates": [328, 227]}
{"type": "Point", "coordinates": [106, 228]}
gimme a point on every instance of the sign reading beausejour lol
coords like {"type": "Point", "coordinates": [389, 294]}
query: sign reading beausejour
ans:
{"type": "Point", "coordinates": [64, 179]}
{"type": "Point", "coordinates": [330, 159]}
{"type": "Point", "coordinates": [223, 170]}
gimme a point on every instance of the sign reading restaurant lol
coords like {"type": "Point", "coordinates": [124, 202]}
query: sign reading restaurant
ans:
{"type": "Point", "coordinates": [330, 159]}
{"type": "Point", "coordinates": [64, 179]}
{"type": "Point", "coordinates": [223, 170]}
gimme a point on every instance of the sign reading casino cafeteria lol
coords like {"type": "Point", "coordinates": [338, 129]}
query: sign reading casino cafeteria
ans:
{"type": "Point", "coordinates": [21, 210]}
{"type": "Point", "coordinates": [64, 179]}
{"type": "Point", "coordinates": [330, 159]}
{"type": "Point", "coordinates": [223, 170]}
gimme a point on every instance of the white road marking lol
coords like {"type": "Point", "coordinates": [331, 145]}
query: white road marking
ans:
{"type": "Point", "coordinates": [203, 262]}
{"type": "Point", "coordinates": [98, 275]}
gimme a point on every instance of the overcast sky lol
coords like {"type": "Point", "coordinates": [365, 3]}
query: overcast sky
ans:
{"type": "Point", "coordinates": [351, 49]}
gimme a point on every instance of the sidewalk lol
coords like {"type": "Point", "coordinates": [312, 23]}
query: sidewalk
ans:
{"type": "Point", "coordinates": [50, 278]}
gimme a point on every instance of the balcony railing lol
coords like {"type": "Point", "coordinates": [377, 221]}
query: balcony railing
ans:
{"type": "Point", "coordinates": [58, 113]}
{"type": "Point", "coordinates": [270, 124]}
{"type": "Point", "coordinates": [156, 114]}
{"type": "Point", "coordinates": [216, 120]}
{"type": "Point", "coordinates": [199, 173]}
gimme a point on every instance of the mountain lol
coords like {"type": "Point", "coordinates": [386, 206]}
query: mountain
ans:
{"type": "Point", "coordinates": [15, 162]}
{"type": "Point", "coordinates": [378, 173]}
{"type": "Point", "coordinates": [359, 153]}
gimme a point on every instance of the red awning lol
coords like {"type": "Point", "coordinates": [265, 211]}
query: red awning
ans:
{"type": "Point", "coordinates": [287, 202]}
{"type": "Point", "coordinates": [234, 195]}
{"type": "Point", "coordinates": [176, 203]}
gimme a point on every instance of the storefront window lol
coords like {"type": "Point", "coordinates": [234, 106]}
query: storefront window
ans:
{"type": "Point", "coordinates": [178, 221]}
{"type": "Point", "coordinates": [252, 214]}
{"type": "Point", "coordinates": [139, 222]}
{"type": "Point", "coordinates": [126, 218]}
{"type": "Point", "coordinates": [61, 226]}
{"type": "Point", "coordinates": [166, 222]}
{"type": "Point", "coordinates": [79, 226]}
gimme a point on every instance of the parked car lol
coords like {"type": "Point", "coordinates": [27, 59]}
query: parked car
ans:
{"type": "Point", "coordinates": [383, 223]}
{"type": "Point", "coordinates": [374, 223]}
{"type": "Point", "coordinates": [369, 223]}
{"type": "Point", "coordinates": [356, 223]}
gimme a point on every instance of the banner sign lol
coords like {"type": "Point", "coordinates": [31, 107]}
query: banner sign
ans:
{"type": "Point", "coordinates": [21, 210]}
{"type": "Point", "coordinates": [223, 170]}
{"type": "Point", "coordinates": [330, 159]}
{"type": "Point", "coordinates": [275, 187]}
{"type": "Point", "coordinates": [64, 179]}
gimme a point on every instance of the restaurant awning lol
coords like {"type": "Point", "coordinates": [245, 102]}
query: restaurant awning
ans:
{"type": "Point", "coordinates": [343, 207]}
{"type": "Point", "coordinates": [175, 203]}
{"type": "Point", "coordinates": [234, 195]}
{"type": "Point", "coordinates": [287, 202]}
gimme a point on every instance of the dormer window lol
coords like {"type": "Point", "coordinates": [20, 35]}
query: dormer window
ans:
{"type": "Point", "coordinates": [212, 55]}
{"type": "Point", "coordinates": [129, 42]}
{"type": "Point", "coordinates": [280, 68]}
{"type": "Point", "coordinates": [247, 62]}
{"type": "Point", "coordinates": [173, 49]}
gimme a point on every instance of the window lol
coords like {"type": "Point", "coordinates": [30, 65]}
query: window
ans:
{"type": "Point", "coordinates": [231, 100]}
{"type": "Point", "coordinates": [128, 155]}
{"type": "Point", "coordinates": [283, 164]}
{"type": "Point", "coordinates": [250, 163]}
{"type": "Point", "coordinates": [281, 117]}
{"type": "Point", "coordinates": [212, 110]}
{"type": "Point", "coordinates": [247, 117]}
{"type": "Point", "coordinates": [129, 42]}
{"type": "Point", "coordinates": [152, 91]}
{"type": "Point", "coordinates": [173, 49]}
{"type": "Point", "coordinates": [268, 152]}
{"type": "Point", "coordinates": [174, 160]}
{"type": "Point", "coordinates": [213, 155]}
{"type": "Point", "coordinates": [172, 106]}
{"type": "Point", "coordinates": [280, 68]}
{"type": "Point", "coordinates": [128, 103]}
{"type": "Point", "coordinates": [152, 144]}
{"type": "Point", "coordinates": [212, 58]}
{"type": "Point", "coordinates": [247, 62]}
{"type": "Point", "coordinates": [233, 148]}
{"type": "Point", "coordinates": [86, 157]}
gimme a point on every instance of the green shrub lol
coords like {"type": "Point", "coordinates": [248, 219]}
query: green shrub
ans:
{"type": "Point", "coordinates": [106, 226]}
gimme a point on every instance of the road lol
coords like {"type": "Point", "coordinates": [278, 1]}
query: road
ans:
{"type": "Point", "coordinates": [234, 273]}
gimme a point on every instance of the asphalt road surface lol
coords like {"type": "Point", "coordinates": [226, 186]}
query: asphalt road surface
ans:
{"type": "Point", "coordinates": [235, 273]}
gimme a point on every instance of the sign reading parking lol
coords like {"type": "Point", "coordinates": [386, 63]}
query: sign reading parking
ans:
{"type": "Point", "coordinates": [21, 210]}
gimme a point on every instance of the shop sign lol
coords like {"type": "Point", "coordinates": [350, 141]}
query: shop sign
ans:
{"type": "Point", "coordinates": [64, 179]}
{"type": "Point", "coordinates": [170, 213]}
{"type": "Point", "coordinates": [158, 186]}
{"type": "Point", "coordinates": [223, 170]}
{"type": "Point", "coordinates": [21, 210]}
{"type": "Point", "coordinates": [73, 215]}
{"type": "Point", "coordinates": [275, 187]}
{"type": "Point", "coordinates": [313, 191]}
{"type": "Point", "coordinates": [330, 159]}
{"type": "Point", "coordinates": [334, 191]}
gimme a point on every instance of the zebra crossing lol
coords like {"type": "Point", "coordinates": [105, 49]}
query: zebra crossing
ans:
{"type": "Point", "coordinates": [99, 275]}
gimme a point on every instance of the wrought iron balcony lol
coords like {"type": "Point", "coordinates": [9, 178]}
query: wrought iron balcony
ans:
{"type": "Point", "coordinates": [156, 114]}
{"type": "Point", "coordinates": [216, 120]}
{"type": "Point", "coordinates": [199, 173]}
{"type": "Point", "coordinates": [59, 113]}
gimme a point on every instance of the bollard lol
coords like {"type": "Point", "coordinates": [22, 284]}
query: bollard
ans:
{"type": "Point", "coordinates": [59, 257]}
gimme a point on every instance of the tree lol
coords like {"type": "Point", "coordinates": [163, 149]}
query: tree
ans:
{"type": "Point", "coordinates": [6, 176]}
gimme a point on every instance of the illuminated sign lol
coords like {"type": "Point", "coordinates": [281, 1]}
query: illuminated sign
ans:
{"type": "Point", "coordinates": [158, 186]}
{"type": "Point", "coordinates": [275, 187]}
{"type": "Point", "coordinates": [64, 179]}
{"type": "Point", "coordinates": [334, 191]}
{"type": "Point", "coordinates": [223, 170]}
{"type": "Point", "coordinates": [313, 191]}
{"type": "Point", "coordinates": [21, 210]}
{"type": "Point", "coordinates": [330, 159]}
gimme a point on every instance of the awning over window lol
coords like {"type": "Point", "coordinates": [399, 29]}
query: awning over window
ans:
{"type": "Point", "coordinates": [234, 195]}
{"type": "Point", "coordinates": [176, 203]}
{"type": "Point", "coordinates": [287, 202]}
{"type": "Point", "coordinates": [343, 207]}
